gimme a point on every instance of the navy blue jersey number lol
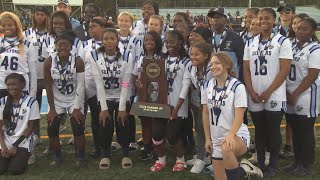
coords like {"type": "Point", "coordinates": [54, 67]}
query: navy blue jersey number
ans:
{"type": "Point", "coordinates": [260, 66]}
{"type": "Point", "coordinates": [12, 63]}
{"type": "Point", "coordinates": [293, 73]}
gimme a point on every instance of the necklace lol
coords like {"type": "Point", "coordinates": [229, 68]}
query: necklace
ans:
{"type": "Point", "coordinates": [171, 75]}
{"type": "Point", "coordinates": [217, 103]}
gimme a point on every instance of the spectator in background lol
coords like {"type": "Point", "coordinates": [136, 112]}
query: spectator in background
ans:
{"type": "Point", "coordinates": [64, 6]}
{"type": "Point", "coordinates": [149, 8]}
{"type": "Point", "coordinates": [90, 10]}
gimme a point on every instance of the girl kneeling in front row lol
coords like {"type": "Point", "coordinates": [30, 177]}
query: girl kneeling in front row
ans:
{"type": "Point", "coordinates": [17, 114]}
{"type": "Point", "coordinates": [224, 100]}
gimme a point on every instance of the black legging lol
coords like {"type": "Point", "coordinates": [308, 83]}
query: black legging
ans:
{"type": "Point", "coordinates": [303, 139]}
{"type": "Point", "coordinates": [267, 135]}
{"type": "Point", "coordinates": [106, 133]}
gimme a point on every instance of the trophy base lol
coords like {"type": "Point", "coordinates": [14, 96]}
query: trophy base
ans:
{"type": "Point", "coordinates": [151, 110]}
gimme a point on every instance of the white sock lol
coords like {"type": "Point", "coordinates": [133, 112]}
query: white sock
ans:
{"type": "Point", "coordinates": [162, 159]}
{"type": "Point", "coordinates": [181, 159]}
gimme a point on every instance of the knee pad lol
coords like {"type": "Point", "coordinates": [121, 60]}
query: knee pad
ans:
{"type": "Point", "coordinates": [155, 142]}
{"type": "Point", "coordinates": [53, 129]}
{"type": "Point", "coordinates": [77, 129]}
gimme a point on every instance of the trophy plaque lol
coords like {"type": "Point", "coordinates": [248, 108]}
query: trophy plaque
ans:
{"type": "Point", "coordinates": [152, 97]}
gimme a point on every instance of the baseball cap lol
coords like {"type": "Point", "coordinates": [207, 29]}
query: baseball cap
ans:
{"type": "Point", "coordinates": [66, 2]}
{"type": "Point", "coordinates": [287, 7]}
{"type": "Point", "coordinates": [218, 10]}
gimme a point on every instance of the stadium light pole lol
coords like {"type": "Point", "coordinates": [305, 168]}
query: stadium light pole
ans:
{"type": "Point", "coordinates": [249, 4]}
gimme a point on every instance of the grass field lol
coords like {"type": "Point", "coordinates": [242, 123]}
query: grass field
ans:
{"type": "Point", "coordinates": [140, 170]}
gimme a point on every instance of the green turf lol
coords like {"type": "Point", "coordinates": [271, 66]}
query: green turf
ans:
{"type": "Point", "coordinates": [140, 170]}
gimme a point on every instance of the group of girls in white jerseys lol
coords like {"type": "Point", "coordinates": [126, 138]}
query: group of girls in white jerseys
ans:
{"type": "Point", "coordinates": [104, 73]}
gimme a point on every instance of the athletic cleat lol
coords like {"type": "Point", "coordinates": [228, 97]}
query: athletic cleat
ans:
{"type": "Point", "coordinates": [145, 155]}
{"type": "Point", "coordinates": [250, 169]}
{"type": "Point", "coordinates": [179, 166]}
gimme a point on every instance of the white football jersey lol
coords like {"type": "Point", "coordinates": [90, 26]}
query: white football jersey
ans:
{"type": "Point", "coordinates": [38, 41]}
{"type": "Point", "coordinates": [29, 110]}
{"type": "Point", "coordinates": [177, 85]}
{"type": "Point", "coordinates": [139, 29]}
{"type": "Point", "coordinates": [87, 47]}
{"type": "Point", "coordinates": [265, 63]}
{"type": "Point", "coordinates": [303, 59]}
{"type": "Point", "coordinates": [235, 97]}
{"type": "Point", "coordinates": [121, 70]}
{"type": "Point", "coordinates": [197, 84]}
{"type": "Point", "coordinates": [12, 61]}
{"type": "Point", "coordinates": [64, 94]}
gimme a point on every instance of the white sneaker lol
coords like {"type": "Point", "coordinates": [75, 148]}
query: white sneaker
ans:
{"type": "Point", "coordinates": [198, 166]}
{"type": "Point", "coordinates": [267, 158]}
{"type": "Point", "coordinates": [254, 158]}
{"type": "Point", "coordinates": [250, 169]}
{"type": "Point", "coordinates": [192, 161]}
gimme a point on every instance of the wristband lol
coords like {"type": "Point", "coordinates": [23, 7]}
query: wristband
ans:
{"type": "Point", "coordinates": [19, 141]}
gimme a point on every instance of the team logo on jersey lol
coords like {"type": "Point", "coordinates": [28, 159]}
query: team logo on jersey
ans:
{"type": "Point", "coordinates": [130, 47]}
{"type": "Point", "coordinates": [299, 108]}
{"type": "Point", "coordinates": [273, 104]}
{"type": "Point", "coordinates": [24, 111]}
{"type": "Point", "coordinates": [119, 65]}
{"type": "Point", "coordinates": [302, 54]}
{"type": "Point", "coordinates": [225, 96]}
{"type": "Point", "coordinates": [271, 46]}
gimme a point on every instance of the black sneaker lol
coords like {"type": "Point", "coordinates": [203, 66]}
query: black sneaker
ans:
{"type": "Point", "coordinates": [270, 172]}
{"type": "Point", "coordinates": [290, 167]}
{"type": "Point", "coordinates": [301, 171]}
{"type": "Point", "coordinates": [145, 155]}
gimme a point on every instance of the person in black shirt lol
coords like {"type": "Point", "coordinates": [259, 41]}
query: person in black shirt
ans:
{"type": "Point", "coordinates": [90, 11]}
